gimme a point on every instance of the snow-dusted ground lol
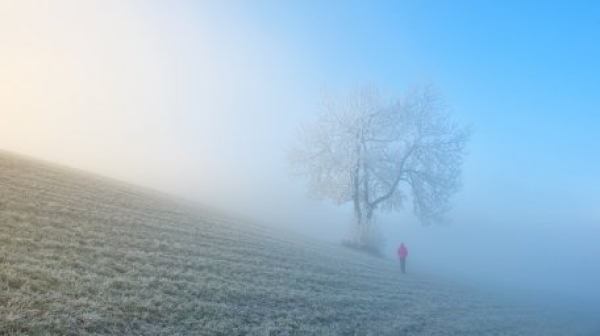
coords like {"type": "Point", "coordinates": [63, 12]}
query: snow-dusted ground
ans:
{"type": "Point", "coordinates": [83, 255]}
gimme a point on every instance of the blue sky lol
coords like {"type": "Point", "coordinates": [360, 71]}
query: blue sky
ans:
{"type": "Point", "coordinates": [524, 75]}
{"type": "Point", "coordinates": [122, 88]}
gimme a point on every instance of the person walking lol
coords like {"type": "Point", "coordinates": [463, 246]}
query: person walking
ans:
{"type": "Point", "coordinates": [402, 254]}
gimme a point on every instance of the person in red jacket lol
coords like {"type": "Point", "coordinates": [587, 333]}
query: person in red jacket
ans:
{"type": "Point", "coordinates": [402, 254]}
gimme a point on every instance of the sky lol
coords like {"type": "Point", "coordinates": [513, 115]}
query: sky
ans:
{"type": "Point", "coordinates": [202, 98]}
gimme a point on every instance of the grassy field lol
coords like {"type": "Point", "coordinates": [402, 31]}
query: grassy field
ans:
{"type": "Point", "coordinates": [83, 255]}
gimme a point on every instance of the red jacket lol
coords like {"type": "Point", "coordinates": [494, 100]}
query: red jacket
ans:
{"type": "Point", "coordinates": [402, 251]}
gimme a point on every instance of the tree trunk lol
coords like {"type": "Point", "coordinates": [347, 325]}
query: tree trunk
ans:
{"type": "Point", "coordinates": [357, 208]}
{"type": "Point", "coordinates": [364, 223]}
{"type": "Point", "coordinates": [369, 219]}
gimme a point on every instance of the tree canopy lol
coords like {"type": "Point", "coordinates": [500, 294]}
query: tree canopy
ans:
{"type": "Point", "coordinates": [376, 153]}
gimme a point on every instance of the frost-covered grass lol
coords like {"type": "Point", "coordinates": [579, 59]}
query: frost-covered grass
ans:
{"type": "Point", "coordinates": [80, 255]}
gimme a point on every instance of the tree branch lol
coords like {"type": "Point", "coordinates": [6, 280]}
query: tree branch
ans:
{"type": "Point", "coordinates": [396, 181]}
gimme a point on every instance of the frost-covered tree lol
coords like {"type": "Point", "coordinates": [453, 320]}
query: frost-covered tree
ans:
{"type": "Point", "coordinates": [375, 153]}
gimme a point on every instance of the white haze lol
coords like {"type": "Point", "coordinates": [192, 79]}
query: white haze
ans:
{"type": "Point", "coordinates": [199, 101]}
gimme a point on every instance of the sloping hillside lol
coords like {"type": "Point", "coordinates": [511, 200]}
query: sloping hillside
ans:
{"type": "Point", "coordinates": [84, 255]}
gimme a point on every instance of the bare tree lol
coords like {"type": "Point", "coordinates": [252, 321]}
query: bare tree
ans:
{"type": "Point", "coordinates": [375, 154]}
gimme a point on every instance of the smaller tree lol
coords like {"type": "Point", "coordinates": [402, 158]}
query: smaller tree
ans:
{"type": "Point", "coordinates": [375, 154]}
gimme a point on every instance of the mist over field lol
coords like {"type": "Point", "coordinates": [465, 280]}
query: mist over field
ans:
{"type": "Point", "coordinates": [202, 100]}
